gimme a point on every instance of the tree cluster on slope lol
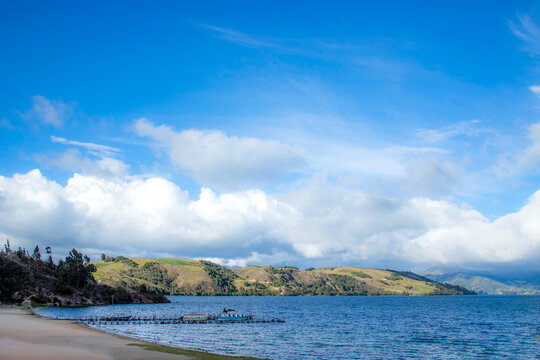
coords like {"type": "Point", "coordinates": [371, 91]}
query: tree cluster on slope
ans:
{"type": "Point", "coordinates": [24, 276]}
{"type": "Point", "coordinates": [155, 274]}
{"type": "Point", "coordinates": [120, 259]}
{"type": "Point", "coordinates": [222, 277]}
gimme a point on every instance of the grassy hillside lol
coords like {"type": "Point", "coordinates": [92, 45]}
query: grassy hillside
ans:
{"type": "Point", "coordinates": [193, 277]}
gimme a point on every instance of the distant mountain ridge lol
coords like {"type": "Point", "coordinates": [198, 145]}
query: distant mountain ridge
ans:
{"type": "Point", "coordinates": [172, 276]}
{"type": "Point", "coordinates": [486, 282]}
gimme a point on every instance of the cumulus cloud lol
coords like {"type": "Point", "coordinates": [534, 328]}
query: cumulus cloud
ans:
{"type": "Point", "coordinates": [348, 225]}
{"type": "Point", "coordinates": [316, 222]}
{"type": "Point", "coordinates": [468, 237]}
{"type": "Point", "coordinates": [430, 176]}
{"type": "Point", "coordinates": [151, 216]}
{"type": "Point", "coordinates": [45, 111]}
{"type": "Point", "coordinates": [225, 162]}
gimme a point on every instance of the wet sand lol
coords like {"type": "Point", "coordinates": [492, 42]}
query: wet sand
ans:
{"type": "Point", "coordinates": [26, 336]}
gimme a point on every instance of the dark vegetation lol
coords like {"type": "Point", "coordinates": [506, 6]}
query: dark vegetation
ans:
{"type": "Point", "coordinates": [411, 275]}
{"type": "Point", "coordinates": [394, 277]}
{"type": "Point", "coordinates": [70, 282]}
{"type": "Point", "coordinates": [448, 289]}
{"type": "Point", "coordinates": [361, 274]}
{"type": "Point", "coordinates": [154, 273]}
{"type": "Point", "coordinates": [256, 289]}
{"type": "Point", "coordinates": [222, 277]}
{"type": "Point", "coordinates": [121, 259]}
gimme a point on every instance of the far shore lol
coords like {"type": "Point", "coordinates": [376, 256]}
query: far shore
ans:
{"type": "Point", "coordinates": [24, 335]}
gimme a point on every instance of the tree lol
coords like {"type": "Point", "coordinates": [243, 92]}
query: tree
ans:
{"type": "Point", "coordinates": [73, 271]}
{"type": "Point", "coordinates": [36, 255]}
{"type": "Point", "coordinates": [50, 261]}
{"type": "Point", "coordinates": [22, 253]}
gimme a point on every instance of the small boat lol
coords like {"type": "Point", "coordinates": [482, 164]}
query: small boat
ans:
{"type": "Point", "coordinates": [195, 317]}
{"type": "Point", "coordinates": [231, 315]}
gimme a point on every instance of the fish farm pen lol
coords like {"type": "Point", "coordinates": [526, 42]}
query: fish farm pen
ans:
{"type": "Point", "coordinates": [186, 319]}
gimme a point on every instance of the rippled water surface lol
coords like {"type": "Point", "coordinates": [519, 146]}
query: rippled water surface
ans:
{"type": "Point", "coordinates": [443, 327]}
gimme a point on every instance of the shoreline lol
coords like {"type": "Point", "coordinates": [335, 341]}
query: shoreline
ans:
{"type": "Point", "coordinates": [25, 334]}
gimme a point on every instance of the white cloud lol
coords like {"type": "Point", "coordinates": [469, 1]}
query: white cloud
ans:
{"type": "Point", "coordinates": [345, 225]}
{"type": "Point", "coordinates": [526, 30]}
{"type": "Point", "coordinates": [416, 150]}
{"type": "Point", "coordinates": [334, 147]}
{"type": "Point", "coordinates": [254, 258]}
{"type": "Point", "coordinates": [467, 128]}
{"type": "Point", "coordinates": [100, 164]}
{"type": "Point", "coordinates": [524, 160]}
{"type": "Point", "coordinates": [238, 37]}
{"type": "Point", "coordinates": [95, 149]}
{"type": "Point", "coordinates": [151, 216]}
{"type": "Point", "coordinates": [351, 160]}
{"type": "Point", "coordinates": [225, 162]}
{"type": "Point", "coordinates": [535, 89]}
{"type": "Point", "coordinates": [532, 153]}
{"type": "Point", "coordinates": [431, 176]}
{"type": "Point", "coordinates": [51, 112]}
{"type": "Point", "coordinates": [317, 222]}
{"type": "Point", "coordinates": [72, 160]}
{"type": "Point", "coordinates": [467, 237]}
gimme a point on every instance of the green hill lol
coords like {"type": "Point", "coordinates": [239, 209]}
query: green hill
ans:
{"type": "Point", "coordinates": [193, 277]}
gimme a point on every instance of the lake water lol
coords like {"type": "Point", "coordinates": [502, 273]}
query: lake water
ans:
{"type": "Point", "coordinates": [355, 327]}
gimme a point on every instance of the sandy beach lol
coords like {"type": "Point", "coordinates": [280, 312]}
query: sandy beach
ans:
{"type": "Point", "coordinates": [26, 336]}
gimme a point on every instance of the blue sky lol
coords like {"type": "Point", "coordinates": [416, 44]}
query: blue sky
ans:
{"type": "Point", "coordinates": [388, 134]}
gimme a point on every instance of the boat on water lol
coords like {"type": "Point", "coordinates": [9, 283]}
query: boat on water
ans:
{"type": "Point", "coordinates": [231, 315]}
{"type": "Point", "coordinates": [195, 317]}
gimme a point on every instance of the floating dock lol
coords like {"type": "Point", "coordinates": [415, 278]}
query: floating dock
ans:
{"type": "Point", "coordinates": [210, 319]}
